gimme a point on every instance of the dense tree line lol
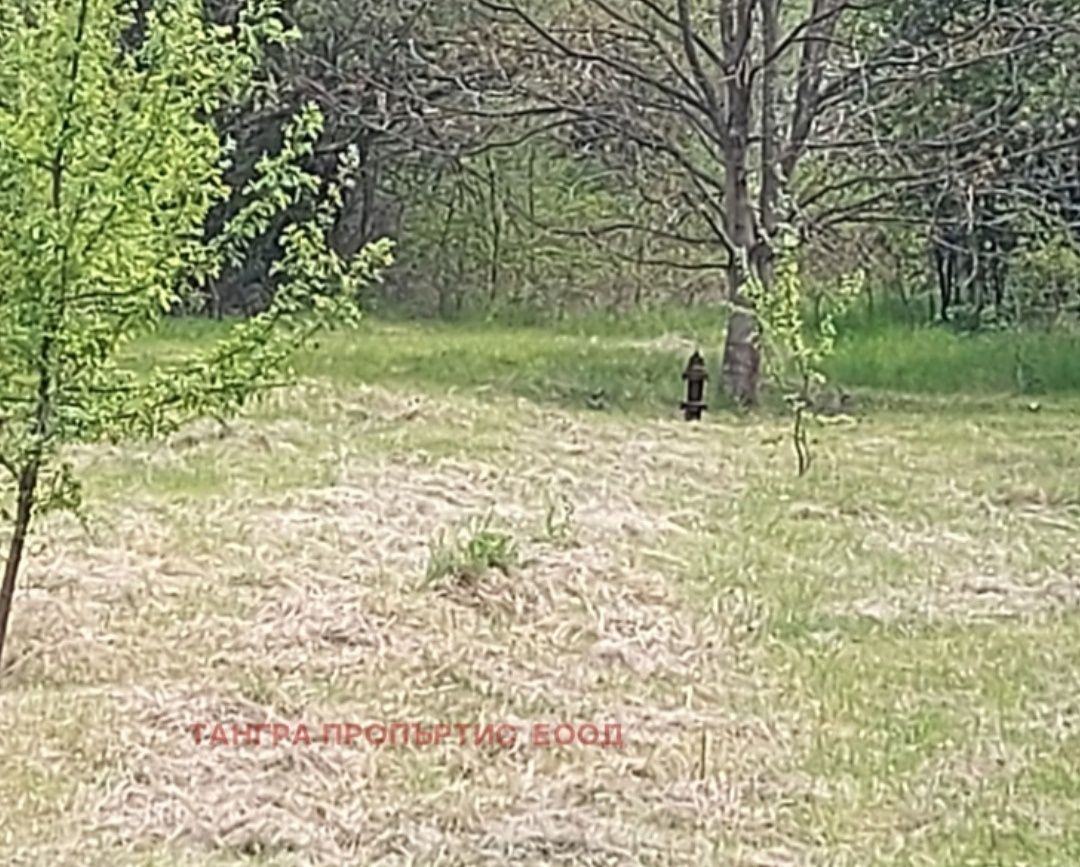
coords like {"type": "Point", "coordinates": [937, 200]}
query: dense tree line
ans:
{"type": "Point", "coordinates": [555, 155]}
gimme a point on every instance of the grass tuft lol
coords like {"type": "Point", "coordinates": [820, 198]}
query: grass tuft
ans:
{"type": "Point", "coordinates": [465, 555]}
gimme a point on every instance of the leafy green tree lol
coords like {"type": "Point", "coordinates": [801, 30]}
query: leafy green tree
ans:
{"type": "Point", "coordinates": [109, 164]}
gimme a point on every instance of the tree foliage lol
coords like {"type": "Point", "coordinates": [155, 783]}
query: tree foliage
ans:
{"type": "Point", "coordinates": [109, 166]}
{"type": "Point", "coordinates": [793, 346]}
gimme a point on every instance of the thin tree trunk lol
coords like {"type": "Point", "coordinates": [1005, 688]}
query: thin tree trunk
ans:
{"type": "Point", "coordinates": [28, 477]}
{"type": "Point", "coordinates": [496, 232]}
{"type": "Point", "coordinates": [443, 278]}
{"type": "Point", "coordinates": [23, 513]}
{"type": "Point", "coordinates": [639, 274]}
{"type": "Point", "coordinates": [770, 182]}
{"type": "Point", "coordinates": [530, 267]}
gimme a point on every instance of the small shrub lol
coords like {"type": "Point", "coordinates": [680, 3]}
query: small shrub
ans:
{"type": "Point", "coordinates": [793, 348]}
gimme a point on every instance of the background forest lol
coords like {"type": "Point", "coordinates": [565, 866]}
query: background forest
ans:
{"type": "Point", "coordinates": [536, 160]}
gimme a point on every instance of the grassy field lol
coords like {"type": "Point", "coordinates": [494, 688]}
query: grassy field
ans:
{"type": "Point", "coordinates": [876, 664]}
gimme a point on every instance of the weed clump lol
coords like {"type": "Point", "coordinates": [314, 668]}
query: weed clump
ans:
{"type": "Point", "coordinates": [468, 553]}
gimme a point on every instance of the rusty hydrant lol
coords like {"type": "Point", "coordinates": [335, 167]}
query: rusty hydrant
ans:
{"type": "Point", "coordinates": [696, 377]}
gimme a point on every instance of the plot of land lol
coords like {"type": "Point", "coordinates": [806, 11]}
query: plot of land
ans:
{"type": "Point", "coordinates": [876, 664]}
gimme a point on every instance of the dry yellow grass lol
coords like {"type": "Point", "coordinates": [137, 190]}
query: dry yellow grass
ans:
{"type": "Point", "coordinates": [309, 605]}
{"type": "Point", "coordinates": [796, 667]}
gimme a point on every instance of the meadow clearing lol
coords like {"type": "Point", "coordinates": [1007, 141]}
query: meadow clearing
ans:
{"type": "Point", "coordinates": [875, 664]}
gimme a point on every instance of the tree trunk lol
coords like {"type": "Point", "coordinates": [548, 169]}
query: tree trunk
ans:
{"type": "Point", "coordinates": [495, 251]}
{"type": "Point", "coordinates": [742, 354]}
{"type": "Point", "coordinates": [23, 512]}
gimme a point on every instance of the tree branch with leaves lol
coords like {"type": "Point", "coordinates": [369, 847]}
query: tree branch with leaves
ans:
{"type": "Point", "coordinates": [108, 168]}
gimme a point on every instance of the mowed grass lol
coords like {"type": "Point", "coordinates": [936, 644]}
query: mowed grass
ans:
{"type": "Point", "coordinates": [920, 600]}
{"type": "Point", "coordinates": [879, 662]}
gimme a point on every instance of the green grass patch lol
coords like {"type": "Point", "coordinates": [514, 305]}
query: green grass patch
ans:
{"type": "Point", "coordinates": [633, 363]}
{"type": "Point", "coordinates": [940, 361]}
